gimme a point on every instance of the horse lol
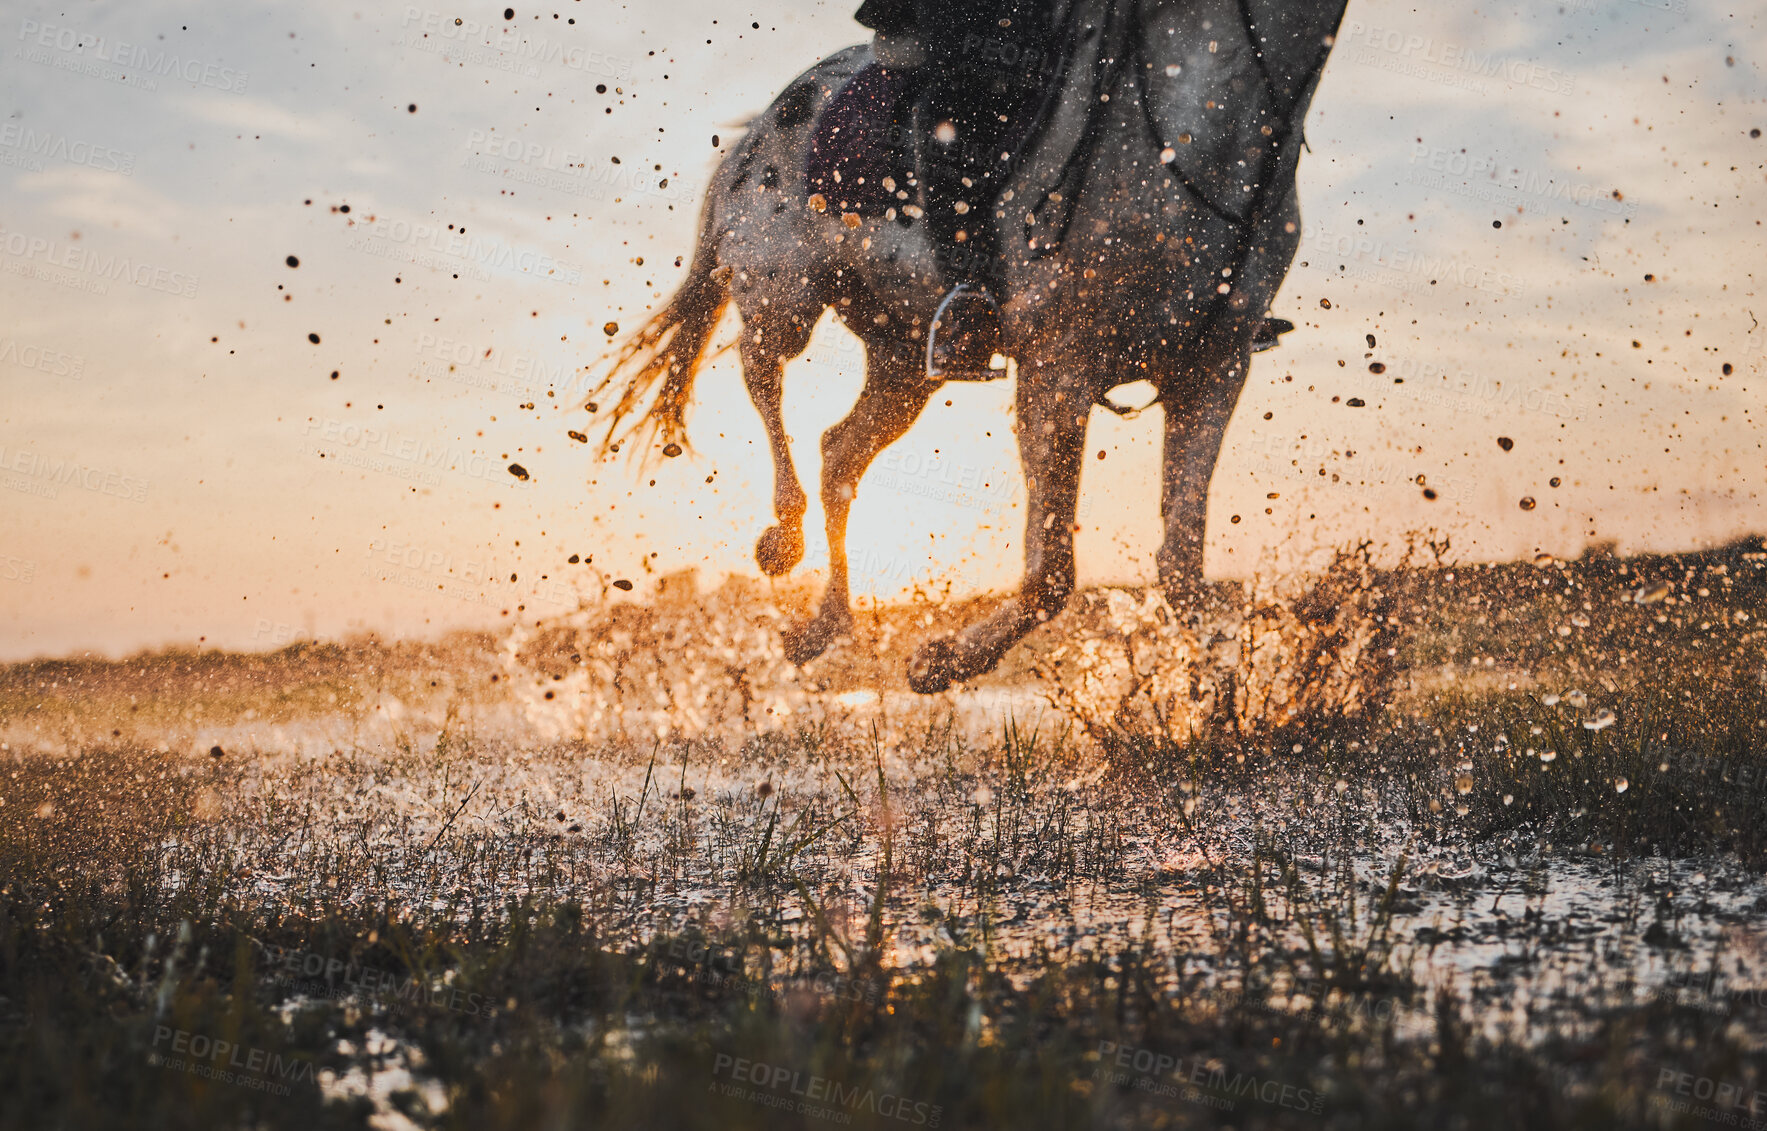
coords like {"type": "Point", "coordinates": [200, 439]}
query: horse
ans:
{"type": "Point", "coordinates": [1145, 229]}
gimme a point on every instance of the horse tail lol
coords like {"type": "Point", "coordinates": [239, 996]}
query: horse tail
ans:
{"type": "Point", "coordinates": [670, 348]}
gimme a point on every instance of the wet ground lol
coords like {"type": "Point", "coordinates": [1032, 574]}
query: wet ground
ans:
{"type": "Point", "coordinates": [1468, 838]}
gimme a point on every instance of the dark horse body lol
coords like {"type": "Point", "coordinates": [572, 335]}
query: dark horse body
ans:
{"type": "Point", "coordinates": [1145, 232]}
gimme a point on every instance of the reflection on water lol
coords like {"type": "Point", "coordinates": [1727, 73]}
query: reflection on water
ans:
{"type": "Point", "coordinates": [1361, 796]}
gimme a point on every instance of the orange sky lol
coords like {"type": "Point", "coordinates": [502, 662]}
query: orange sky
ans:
{"type": "Point", "coordinates": [176, 462]}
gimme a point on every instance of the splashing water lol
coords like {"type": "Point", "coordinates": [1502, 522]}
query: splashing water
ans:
{"type": "Point", "coordinates": [1295, 656]}
{"type": "Point", "coordinates": [678, 668]}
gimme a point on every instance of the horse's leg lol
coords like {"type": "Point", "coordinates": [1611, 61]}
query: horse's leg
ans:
{"type": "Point", "coordinates": [764, 353]}
{"type": "Point", "coordinates": [1051, 438]}
{"type": "Point", "coordinates": [895, 392]}
{"type": "Point", "coordinates": [1196, 422]}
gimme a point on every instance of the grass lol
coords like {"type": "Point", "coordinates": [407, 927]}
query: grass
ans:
{"type": "Point", "coordinates": [440, 922]}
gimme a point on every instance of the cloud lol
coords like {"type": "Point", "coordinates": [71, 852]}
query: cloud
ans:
{"type": "Point", "coordinates": [103, 200]}
{"type": "Point", "coordinates": [254, 116]}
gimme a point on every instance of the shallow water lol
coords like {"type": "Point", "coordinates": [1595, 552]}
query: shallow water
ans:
{"type": "Point", "coordinates": [1530, 941]}
{"type": "Point", "coordinates": [637, 761]}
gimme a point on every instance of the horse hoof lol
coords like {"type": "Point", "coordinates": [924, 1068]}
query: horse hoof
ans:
{"type": "Point", "coordinates": [933, 668]}
{"type": "Point", "coordinates": [809, 640]}
{"type": "Point", "coordinates": [804, 643]}
{"type": "Point", "coordinates": [778, 550]}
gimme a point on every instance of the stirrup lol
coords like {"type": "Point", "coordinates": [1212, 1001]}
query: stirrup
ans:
{"type": "Point", "coordinates": [964, 336]}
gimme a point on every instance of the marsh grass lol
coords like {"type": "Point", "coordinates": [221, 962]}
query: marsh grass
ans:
{"type": "Point", "coordinates": [493, 928]}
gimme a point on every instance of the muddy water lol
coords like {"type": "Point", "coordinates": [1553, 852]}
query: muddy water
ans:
{"type": "Point", "coordinates": [1529, 941]}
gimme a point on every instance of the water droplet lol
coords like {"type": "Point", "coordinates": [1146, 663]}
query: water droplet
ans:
{"type": "Point", "coordinates": [1603, 719]}
{"type": "Point", "coordinates": [1651, 594]}
{"type": "Point", "coordinates": [1543, 560]}
{"type": "Point", "coordinates": [1463, 783]}
{"type": "Point", "coordinates": [1168, 155]}
{"type": "Point", "coordinates": [1527, 502]}
{"type": "Point", "coordinates": [1551, 700]}
{"type": "Point", "coordinates": [1577, 699]}
{"type": "Point", "coordinates": [1621, 785]}
{"type": "Point", "coordinates": [1548, 756]}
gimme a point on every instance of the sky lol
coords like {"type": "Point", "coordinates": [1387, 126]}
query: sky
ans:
{"type": "Point", "coordinates": [288, 287]}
